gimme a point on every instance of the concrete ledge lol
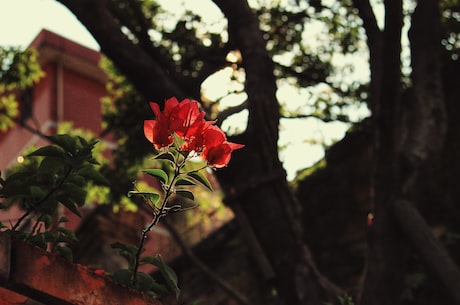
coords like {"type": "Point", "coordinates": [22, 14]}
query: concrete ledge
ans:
{"type": "Point", "coordinates": [38, 276]}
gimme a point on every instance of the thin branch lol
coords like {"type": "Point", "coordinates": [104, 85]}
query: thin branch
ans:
{"type": "Point", "coordinates": [230, 111]}
{"type": "Point", "coordinates": [146, 73]}
{"type": "Point", "coordinates": [41, 201]}
{"type": "Point", "coordinates": [232, 292]}
{"type": "Point", "coordinates": [432, 252]}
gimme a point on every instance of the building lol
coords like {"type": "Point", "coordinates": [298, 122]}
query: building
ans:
{"type": "Point", "coordinates": [70, 91]}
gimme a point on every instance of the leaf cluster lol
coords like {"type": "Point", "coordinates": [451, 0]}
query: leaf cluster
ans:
{"type": "Point", "coordinates": [145, 282]}
{"type": "Point", "coordinates": [19, 71]}
{"type": "Point", "coordinates": [54, 175]}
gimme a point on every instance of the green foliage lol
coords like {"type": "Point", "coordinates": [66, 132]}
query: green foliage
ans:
{"type": "Point", "coordinates": [52, 175]}
{"type": "Point", "coordinates": [143, 281]}
{"type": "Point", "coordinates": [19, 70]}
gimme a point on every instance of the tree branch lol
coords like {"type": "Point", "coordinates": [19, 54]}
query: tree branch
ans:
{"type": "Point", "coordinates": [144, 72]}
{"type": "Point", "coordinates": [225, 286]}
{"type": "Point", "coordinates": [432, 252]}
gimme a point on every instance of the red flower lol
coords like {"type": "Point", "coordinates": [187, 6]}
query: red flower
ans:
{"type": "Point", "coordinates": [158, 131]}
{"type": "Point", "coordinates": [217, 150]}
{"type": "Point", "coordinates": [194, 139]}
{"type": "Point", "coordinates": [187, 121]}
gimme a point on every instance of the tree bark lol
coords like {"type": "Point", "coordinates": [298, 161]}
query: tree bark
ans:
{"type": "Point", "coordinates": [387, 252]}
{"type": "Point", "coordinates": [146, 73]}
{"type": "Point", "coordinates": [432, 252]}
{"type": "Point", "coordinates": [256, 176]}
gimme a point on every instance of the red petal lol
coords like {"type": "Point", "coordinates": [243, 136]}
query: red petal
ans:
{"type": "Point", "coordinates": [149, 125]}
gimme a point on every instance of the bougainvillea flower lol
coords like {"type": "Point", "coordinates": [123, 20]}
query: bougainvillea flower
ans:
{"type": "Point", "coordinates": [194, 139]}
{"type": "Point", "coordinates": [217, 150]}
{"type": "Point", "coordinates": [219, 156]}
{"type": "Point", "coordinates": [158, 131]}
{"type": "Point", "coordinates": [187, 121]}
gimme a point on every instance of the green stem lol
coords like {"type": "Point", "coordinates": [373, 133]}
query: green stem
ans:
{"type": "Point", "coordinates": [156, 218]}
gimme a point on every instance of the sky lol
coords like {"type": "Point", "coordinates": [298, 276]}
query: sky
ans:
{"type": "Point", "coordinates": [22, 20]}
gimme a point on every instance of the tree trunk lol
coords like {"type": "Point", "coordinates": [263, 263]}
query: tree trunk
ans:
{"type": "Point", "coordinates": [256, 181]}
{"type": "Point", "coordinates": [387, 251]}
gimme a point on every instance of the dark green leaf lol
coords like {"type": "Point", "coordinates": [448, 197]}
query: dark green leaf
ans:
{"type": "Point", "coordinates": [66, 235]}
{"type": "Point", "coordinates": [78, 180]}
{"type": "Point", "coordinates": [73, 192]}
{"type": "Point", "coordinates": [70, 204]}
{"type": "Point", "coordinates": [65, 141]}
{"type": "Point", "coordinates": [123, 276]}
{"type": "Point", "coordinates": [153, 197]}
{"type": "Point", "coordinates": [167, 272]}
{"type": "Point", "coordinates": [48, 151]}
{"type": "Point", "coordinates": [165, 156]}
{"type": "Point", "coordinates": [185, 194]}
{"type": "Point", "coordinates": [182, 181]}
{"type": "Point", "coordinates": [157, 173]}
{"type": "Point", "coordinates": [50, 237]}
{"type": "Point", "coordinates": [144, 282]}
{"type": "Point", "coordinates": [38, 240]}
{"type": "Point", "coordinates": [126, 247]}
{"type": "Point", "coordinates": [37, 192]}
{"type": "Point", "coordinates": [90, 173]}
{"type": "Point", "coordinates": [201, 179]}
{"type": "Point", "coordinates": [47, 220]}
{"type": "Point", "coordinates": [50, 165]}
{"type": "Point", "coordinates": [160, 289]}
{"type": "Point", "coordinates": [65, 252]}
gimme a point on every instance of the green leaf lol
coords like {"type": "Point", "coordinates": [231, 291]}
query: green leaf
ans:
{"type": "Point", "coordinates": [38, 240]}
{"type": "Point", "coordinates": [183, 181]}
{"type": "Point", "coordinates": [48, 151]}
{"type": "Point", "coordinates": [144, 282]}
{"type": "Point", "coordinates": [126, 247]}
{"type": "Point", "coordinates": [165, 156]}
{"type": "Point", "coordinates": [185, 194]}
{"type": "Point", "coordinates": [63, 220]}
{"type": "Point", "coordinates": [50, 237]}
{"type": "Point", "coordinates": [73, 192]}
{"type": "Point", "coordinates": [157, 173]}
{"type": "Point", "coordinates": [65, 141]}
{"type": "Point", "coordinates": [153, 197]}
{"type": "Point", "coordinates": [167, 272]}
{"type": "Point", "coordinates": [90, 173]}
{"type": "Point", "coordinates": [78, 180]}
{"type": "Point", "coordinates": [50, 165]}
{"type": "Point", "coordinates": [123, 276]}
{"type": "Point", "coordinates": [66, 235]}
{"type": "Point", "coordinates": [47, 220]}
{"type": "Point", "coordinates": [36, 191]}
{"type": "Point", "coordinates": [201, 179]}
{"type": "Point", "coordinates": [65, 252]}
{"type": "Point", "coordinates": [160, 289]}
{"type": "Point", "coordinates": [70, 204]}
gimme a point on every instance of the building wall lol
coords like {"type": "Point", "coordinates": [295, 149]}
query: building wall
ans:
{"type": "Point", "coordinates": [70, 91]}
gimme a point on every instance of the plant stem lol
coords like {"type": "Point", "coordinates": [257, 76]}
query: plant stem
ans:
{"type": "Point", "coordinates": [51, 192]}
{"type": "Point", "coordinates": [156, 218]}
